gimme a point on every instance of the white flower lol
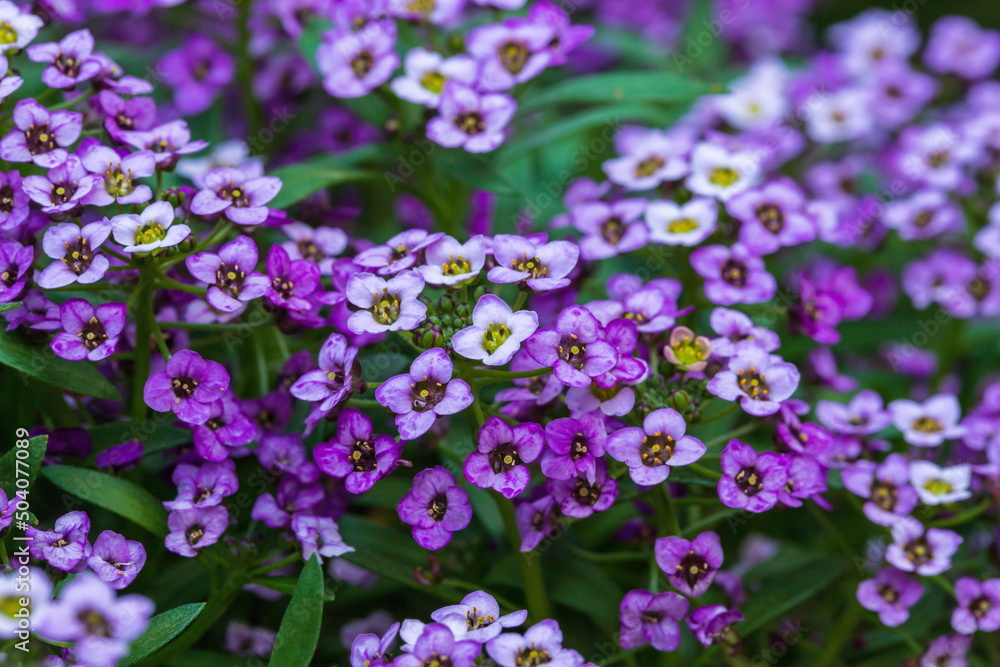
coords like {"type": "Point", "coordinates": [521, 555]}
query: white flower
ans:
{"type": "Point", "coordinates": [36, 587]}
{"type": "Point", "coordinates": [716, 172]}
{"type": "Point", "coordinates": [839, 116]}
{"type": "Point", "coordinates": [687, 225]}
{"type": "Point", "coordinates": [17, 28]}
{"type": "Point", "coordinates": [936, 485]}
{"type": "Point", "coordinates": [758, 99]}
{"type": "Point", "coordinates": [150, 230]}
{"type": "Point", "coordinates": [426, 74]}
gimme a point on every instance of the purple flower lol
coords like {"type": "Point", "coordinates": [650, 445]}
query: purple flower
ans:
{"type": "Point", "coordinates": [386, 305]}
{"type": "Point", "coordinates": [15, 269]}
{"type": "Point", "coordinates": [425, 393]}
{"type": "Point", "coordinates": [13, 201]}
{"type": "Point", "coordinates": [653, 619]}
{"type": "Point", "coordinates": [509, 53]}
{"type": "Point", "coordinates": [225, 429]}
{"type": "Point", "coordinates": [293, 498]}
{"type": "Point", "coordinates": [573, 447]}
{"type": "Point", "coordinates": [733, 327]}
{"type": "Point", "coordinates": [924, 215]}
{"type": "Point", "coordinates": [154, 228]}
{"type": "Point", "coordinates": [188, 385]}
{"type": "Point", "coordinates": [806, 480]}
{"type": "Point", "coordinates": [197, 72]}
{"type": "Point", "coordinates": [368, 650]}
{"type": "Point", "coordinates": [64, 188]}
{"type": "Point", "coordinates": [88, 332]}
{"type": "Point", "coordinates": [750, 481]}
{"type": "Point", "coordinates": [246, 640]}
{"type": "Point", "coordinates": [653, 307]}
{"type": "Point", "coordinates": [116, 560]}
{"type": "Point", "coordinates": [230, 274]}
{"type": "Point", "coordinates": [469, 120]}
{"type": "Point", "coordinates": [580, 496]}
{"type": "Point", "coordinates": [948, 650]}
{"type": "Point", "coordinates": [773, 216]}
{"type": "Point", "coordinates": [355, 63]}
{"type": "Point", "coordinates": [319, 245]}
{"type": "Point", "coordinates": [958, 46]}
{"type": "Point", "coordinates": [758, 379]}
{"type": "Point", "coordinates": [203, 486]}
{"type": "Point", "coordinates": [480, 612]}
{"type": "Point", "coordinates": [545, 637]}
{"type": "Point", "coordinates": [319, 535]}
{"type": "Point", "coordinates": [930, 423]}
{"type": "Point", "coordinates": [119, 175]}
{"type": "Point", "coordinates": [536, 520]}
{"type": "Point", "coordinates": [286, 453]}
{"type": "Point", "coordinates": [885, 486]}
{"type": "Point", "coordinates": [121, 457]}
{"type": "Point", "coordinates": [539, 265]}
{"type": "Point", "coordinates": [502, 450]}
{"type": "Point", "coordinates": [338, 375]}
{"type": "Point", "coordinates": [924, 551]}
{"type": "Point", "coordinates": [610, 229]}
{"type": "Point", "coordinates": [978, 606]}
{"type": "Point", "coordinates": [566, 37]}
{"type": "Point", "coordinates": [435, 507]}
{"type": "Point", "coordinates": [437, 645]}
{"type": "Point", "coordinates": [194, 529]}
{"type": "Point", "coordinates": [890, 594]}
{"type": "Point", "coordinates": [39, 136]}
{"type": "Point", "coordinates": [168, 142]}
{"type": "Point", "coordinates": [574, 348]}
{"type": "Point", "coordinates": [357, 455]}
{"type": "Point", "coordinates": [496, 332]}
{"type": "Point", "coordinates": [65, 547]}
{"type": "Point", "coordinates": [865, 414]}
{"type": "Point", "coordinates": [733, 275]}
{"type": "Point", "coordinates": [292, 281]}
{"type": "Point", "coordinates": [8, 506]}
{"type": "Point", "coordinates": [647, 158]}
{"type": "Point", "coordinates": [690, 566]}
{"type": "Point", "coordinates": [120, 115]}
{"type": "Point", "coordinates": [399, 253]}
{"type": "Point", "coordinates": [451, 263]}
{"type": "Point", "coordinates": [713, 624]}
{"type": "Point", "coordinates": [69, 60]}
{"type": "Point", "coordinates": [242, 198]}
{"type": "Point", "coordinates": [650, 451]}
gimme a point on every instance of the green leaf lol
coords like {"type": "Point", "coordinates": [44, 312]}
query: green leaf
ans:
{"type": "Point", "coordinates": [14, 467]}
{"type": "Point", "coordinates": [619, 88]}
{"type": "Point", "coordinates": [474, 170]}
{"type": "Point", "coordinates": [299, 632]}
{"type": "Point", "coordinates": [112, 493]}
{"type": "Point", "coordinates": [9, 306]}
{"type": "Point", "coordinates": [701, 46]}
{"type": "Point", "coordinates": [786, 590]}
{"type": "Point", "coordinates": [80, 377]}
{"type": "Point", "coordinates": [162, 628]}
{"type": "Point", "coordinates": [155, 435]}
{"type": "Point", "coordinates": [287, 585]}
{"type": "Point", "coordinates": [312, 37]}
{"type": "Point", "coordinates": [301, 180]}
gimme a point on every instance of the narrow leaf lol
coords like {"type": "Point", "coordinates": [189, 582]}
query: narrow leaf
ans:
{"type": "Point", "coordinates": [117, 495]}
{"type": "Point", "coordinates": [9, 306]}
{"type": "Point", "coordinates": [80, 377]}
{"type": "Point", "coordinates": [619, 88]}
{"type": "Point", "coordinates": [299, 632]}
{"type": "Point", "coordinates": [785, 591]}
{"type": "Point", "coordinates": [25, 466]}
{"type": "Point", "coordinates": [162, 628]}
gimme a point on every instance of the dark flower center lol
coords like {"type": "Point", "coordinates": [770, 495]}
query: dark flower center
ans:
{"type": "Point", "coordinates": [749, 481]}
{"type": "Point", "coordinates": [514, 56]}
{"type": "Point", "coordinates": [504, 458]}
{"type": "Point", "coordinates": [308, 250]}
{"type": "Point", "coordinates": [229, 279]}
{"type": "Point", "coordinates": [39, 139]}
{"type": "Point", "coordinates": [980, 606]}
{"type": "Point", "coordinates": [532, 265]}
{"type": "Point", "coordinates": [386, 308]}
{"type": "Point", "coordinates": [202, 495]}
{"type": "Point", "coordinates": [184, 387]}
{"type": "Point", "coordinates": [123, 121]}
{"type": "Point", "coordinates": [656, 449]}
{"type": "Point", "coordinates": [93, 334]}
{"type": "Point", "coordinates": [978, 288]}
{"type": "Point", "coordinates": [652, 617]}
{"type": "Point", "coordinates": [578, 447]}
{"type": "Point", "coordinates": [734, 272]}
{"type": "Point", "coordinates": [474, 621]}
{"type": "Point", "coordinates": [586, 493]}
{"type": "Point", "coordinates": [693, 567]}
{"type": "Point", "coordinates": [68, 65]}
{"type": "Point", "coordinates": [194, 534]}
{"type": "Point", "coordinates": [284, 286]}
{"type": "Point", "coordinates": [649, 166]}
{"type": "Point", "coordinates": [918, 552]}
{"type": "Point", "coordinates": [470, 122]}
{"type": "Point", "coordinates": [771, 217]}
{"type": "Point", "coordinates": [235, 193]}
{"type": "Point", "coordinates": [928, 425]}
{"type": "Point", "coordinates": [938, 159]}
{"type": "Point", "coordinates": [6, 199]}
{"type": "Point", "coordinates": [571, 350]}
{"type": "Point", "coordinates": [884, 495]}
{"type": "Point", "coordinates": [215, 423]}
{"type": "Point", "coordinates": [362, 63]}
{"type": "Point", "coordinates": [363, 456]}
{"type": "Point", "coordinates": [532, 656]}
{"type": "Point", "coordinates": [923, 219]}
{"type": "Point", "coordinates": [78, 255]}
{"type": "Point", "coordinates": [753, 384]}
{"type": "Point", "coordinates": [427, 394]}
{"type": "Point", "coordinates": [63, 192]}
{"type": "Point", "coordinates": [613, 229]}
{"type": "Point", "coordinates": [60, 543]}
{"type": "Point", "coordinates": [888, 593]}
{"type": "Point", "coordinates": [438, 507]}
{"type": "Point", "coordinates": [95, 623]}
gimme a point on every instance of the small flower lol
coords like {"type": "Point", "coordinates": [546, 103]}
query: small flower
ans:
{"type": "Point", "coordinates": [197, 72]}
{"type": "Point", "coordinates": [884, 486]}
{"type": "Point", "coordinates": [203, 486]}
{"type": "Point", "coordinates": [152, 229]}
{"type": "Point", "coordinates": [399, 253]}
{"type": "Point", "coordinates": [685, 225]}
{"type": "Point", "coordinates": [865, 414]}
{"type": "Point", "coordinates": [425, 393]}
{"type": "Point", "coordinates": [226, 429]}
{"type": "Point", "coordinates": [732, 326]}
{"type": "Point", "coordinates": [168, 142]}
{"type": "Point", "coordinates": [648, 158]}
{"type": "Point", "coordinates": [121, 457]}
{"type": "Point", "coordinates": [192, 530]}
{"type": "Point", "coordinates": [17, 28]}
{"type": "Point", "coordinates": [687, 351]}
{"type": "Point", "coordinates": [930, 423]}
{"type": "Point", "coordinates": [936, 485]}
{"type": "Point", "coordinates": [610, 229]}
{"type": "Point", "coordinates": [574, 348]}
{"type": "Point", "coordinates": [38, 597]}
{"type": "Point", "coordinates": [338, 375]}
{"type": "Point", "coordinates": [773, 217]}
{"type": "Point", "coordinates": [386, 305]}
{"type": "Point", "coordinates": [509, 53]}
{"type": "Point", "coordinates": [69, 60]}
{"type": "Point", "coordinates": [116, 560]}
{"type": "Point", "coordinates": [758, 379]}
{"type": "Point", "coordinates": [653, 619]}
{"type": "Point", "coordinates": [292, 280]}
{"type": "Point", "coordinates": [924, 551]}
{"type": "Point", "coordinates": [188, 386]}
{"type": "Point", "coordinates": [573, 447]}
{"type": "Point", "coordinates": [470, 120]}
{"type": "Point", "coordinates": [536, 520]}
{"type": "Point", "coordinates": [320, 245]}
{"type": "Point", "coordinates": [890, 594]}
{"type": "Point", "coordinates": [650, 451]}
{"type": "Point", "coordinates": [66, 186]}
{"type": "Point", "coordinates": [713, 625]}
{"type": "Point", "coordinates": [733, 275]}
{"type": "Point", "coordinates": [119, 175]}
{"type": "Point", "coordinates": [480, 612]}
{"type": "Point", "coordinates": [40, 136]}
{"type": "Point", "coordinates": [355, 63]}
{"type": "Point", "coordinates": [368, 650]}
{"type": "Point", "coordinates": [357, 455]}
{"type": "Point", "coordinates": [89, 332]}
{"type": "Point", "coordinates": [540, 641]}
{"type": "Point", "coordinates": [538, 265]}
{"type": "Point", "coordinates": [427, 73]}
{"type": "Point", "coordinates": [580, 496]}
{"type": "Point", "coordinates": [241, 198]}
{"type": "Point", "coordinates": [716, 172]}
{"type": "Point", "coordinates": [502, 452]}
{"type": "Point", "coordinates": [13, 201]}
{"type": "Point", "coordinates": [958, 46]}
{"type": "Point", "coordinates": [66, 546]}
{"type": "Point", "coordinates": [690, 566]}
{"type": "Point", "coordinates": [319, 535]}
{"type": "Point", "coordinates": [435, 507]}
{"type": "Point", "coordinates": [230, 274]}
{"type": "Point", "coordinates": [948, 650]}
{"type": "Point", "coordinates": [978, 606]}
{"type": "Point", "coordinates": [287, 453]}
{"type": "Point", "coordinates": [450, 263]}
{"type": "Point", "coordinates": [496, 332]}
{"type": "Point", "coordinates": [750, 481]}
{"type": "Point", "coordinates": [436, 646]}
{"type": "Point", "coordinates": [15, 269]}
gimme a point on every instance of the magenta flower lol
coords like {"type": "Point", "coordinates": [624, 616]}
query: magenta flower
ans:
{"type": "Point", "coordinates": [470, 120]}
{"type": "Point", "coordinates": [750, 481]}
{"type": "Point", "coordinates": [502, 450]}
{"type": "Point", "coordinates": [652, 619]}
{"type": "Point", "coordinates": [119, 175]}
{"type": "Point", "coordinates": [536, 520]}
{"type": "Point", "coordinates": [357, 455]}
{"type": "Point", "coordinates": [243, 199]}
{"type": "Point", "coordinates": [230, 274]}
{"type": "Point", "coordinates": [188, 386]}
{"type": "Point", "coordinates": [435, 507]}
{"type": "Point", "coordinates": [890, 594]}
{"type": "Point", "coordinates": [573, 447]}
{"type": "Point", "coordinates": [690, 566]}
{"type": "Point", "coordinates": [66, 187]}
{"type": "Point", "coordinates": [292, 281]}
{"type": "Point", "coordinates": [978, 606]}
{"type": "Point", "coordinates": [581, 496]}
{"type": "Point", "coordinates": [386, 305]}
{"type": "Point", "coordinates": [120, 115]}
{"type": "Point", "coordinates": [428, 391]}
{"type": "Point", "coordinates": [69, 60]}
{"type": "Point", "coordinates": [15, 269]}
{"type": "Point", "coordinates": [733, 275]}
{"type": "Point", "coordinates": [76, 248]}
{"type": "Point", "coordinates": [713, 624]}
{"type": "Point", "coordinates": [89, 332]}
{"type": "Point", "coordinates": [574, 348]}
{"type": "Point", "coordinates": [758, 379]}
{"type": "Point", "coordinates": [226, 429]}
{"type": "Point", "coordinates": [66, 546]}
{"type": "Point", "coordinates": [116, 560]}
{"type": "Point", "coordinates": [40, 136]}
{"type": "Point", "coordinates": [928, 424]}
{"type": "Point", "coordinates": [496, 332]}
{"type": "Point", "coordinates": [650, 451]}
{"type": "Point", "coordinates": [565, 36]}
{"type": "Point", "coordinates": [197, 72]}
{"type": "Point", "coordinates": [926, 551]}
{"type": "Point", "coordinates": [338, 375]}
{"type": "Point", "coordinates": [192, 530]}
{"type": "Point", "coordinates": [539, 265]}
{"type": "Point", "coordinates": [355, 63]}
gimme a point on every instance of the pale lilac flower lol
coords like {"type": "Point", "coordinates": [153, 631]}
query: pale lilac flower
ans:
{"type": "Point", "coordinates": [241, 198]}
{"type": "Point", "coordinates": [448, 262]}
{"type": "Point", "coordinates": [76, 249]}
{"type": "Point", "coordinates": [427, 72]}
{"type": "Point", "coordinates": [647, 158]}
{"type": "Point", "coordinates": [758, 379]}
{"type": "Point", "coordinates": [427, 392]}
{"type": "Point", "coordinates": [539, 265]}
{"type": "Point", "coordinates": [890, 594]}
{"type": "Point", "coordinates": [470, 120]}
{"type": "Point", "coordinates": [399, 253]}
{"type": "Point", "coordinates": [319, 535]}
{"type": "Point", "coordinates": [545, 636]}
{"type": "Point", "coordinates": [936, 485]}
{"type": "Point", "coordinates": [930, 423]}
{"type": "Point", "coordinates": [355, 63]}
{"type": "Point", "coordinates": [194, 529]}
{"type": "Point", "coordinates": [773, 217]}
{"type": "Point", "coordinates": [734, 327]}
{"type": "Point", "coordinates": [230, 275]}
{"type": "Point", "coordinates": [481, 613]}
{"type": "Point", "coordinates": [385, 305]}
{"type": "Point", "coordinates": [957, 45]}
{"type": "Point", "coordinates": [733, 275]}
{"type": "Point", "coordinates": [653, 619]}
{"type": "Point", "coordinates": [119, 174]}
{"type": "Point", "coordinates": [651, 451]}
{"type": "Point", "coordinates": [116, 560]}
{"type": "Point", "coordinates": [69, 60]}
{"type": "Point", "coordinates": [67, 186]}
{"type": "Point", "coordinates": [509, 53]}
{"type": "Point", "coordinates": [88, 332]}
{"type": "Point", "coordinates": [978, 606]}
{"type": "Point", "coordinates": [610, 229]}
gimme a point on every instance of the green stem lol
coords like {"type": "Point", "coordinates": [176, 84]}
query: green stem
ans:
{"type": "Point", "coordinates": [702, 470]}
{"type": "Point", "coordinates": [519, 303]}
{"type": "Point", "coordinates": [245, 72]}
{"type": "Point", "coordinates": [510, 375]}
{"type": "Point", "coordinates": [735, 433]}
{"type": "Point", "coordinates": [3, 554]}
{"type": "Point", "coordinates": [530, 566]}
{"type": "Point", "coordinates": [160, 341]}
{"type": "Point", "coordinates": [143, 330]}
{"type": "Point", "coordinates": [170, 283]}
{"type": "Point", "coordinates": [270, 567]}
{"type": "Point", "coordinates": [719, 415]}
{"type": "Point", "coordinates": [962, 518]}
{"type": "Point", "coordinates": [841, 635]}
